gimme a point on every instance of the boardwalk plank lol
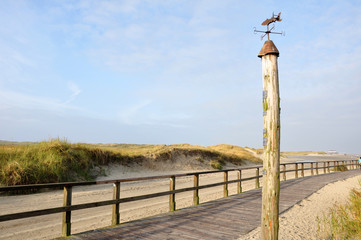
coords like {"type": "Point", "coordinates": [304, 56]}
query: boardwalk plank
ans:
{"type": "Point", "coordinates": [226, 218]}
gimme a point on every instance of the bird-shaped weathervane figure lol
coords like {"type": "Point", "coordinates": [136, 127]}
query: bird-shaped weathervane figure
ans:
{"type": "Point", "coordinates": [267, 22]}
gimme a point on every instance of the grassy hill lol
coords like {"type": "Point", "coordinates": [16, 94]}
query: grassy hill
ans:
{"type": "Point", "coordinates": [60, 161]}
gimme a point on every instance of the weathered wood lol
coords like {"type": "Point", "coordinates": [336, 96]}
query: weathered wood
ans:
{"type": "Point", "coordinates": [328, 167]}
{"type": "Point", "coordinates": [324, 167]}
{"type": "Point", "coordinates": [257, 179]}
{"type": "Point", "coordinates": [116, 196]}
{"type": "Point", "coordinates": [271, 162]}
{"type": "Point", "coordinates": [239, 188]}
{"type": "Point", "coordinates": [172, 195]}
{"type": "Point", "coordinates": [196, 191]}
{"type": "Point", "coordinates": [317, 168]}
{"type": "Point", "coordinates": [303, 170]}
{"type": "Point", "coordinates": [284, 172]}
{"type": "Point", "coordinates": [66, 223]}
{"type": "Point", "coordinates": [312, 169]}
{"type": "Point", "coordinates": [225, 186]}
{"type": "Point", "coordinates": [41, 212]}
{"type": "Point", "coordinates": [296, 170]}
{"type": "Point", "coordinates": [227, 218]}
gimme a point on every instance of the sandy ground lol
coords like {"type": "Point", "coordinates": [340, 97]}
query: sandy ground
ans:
{"type": "Point", "coordinates": [49, 226]}
{"type": "Point", "coordinates": [300, 222]}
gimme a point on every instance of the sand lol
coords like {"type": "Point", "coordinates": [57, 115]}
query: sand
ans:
{"type": "Point", "coordinates": [49, 226]}
{"type": "Point", "coordinates": [300, 222]}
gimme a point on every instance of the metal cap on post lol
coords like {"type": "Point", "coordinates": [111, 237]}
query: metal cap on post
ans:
{"type": "Point", "coordinates": [268, 48]}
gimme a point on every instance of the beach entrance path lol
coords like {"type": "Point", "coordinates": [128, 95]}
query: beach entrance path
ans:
{"type": "Point", "coordinates": [226, 218]}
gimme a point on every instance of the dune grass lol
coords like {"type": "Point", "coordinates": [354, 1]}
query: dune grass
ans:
{"type": "Point", "coordinates": [343, 221]}
{"type": "Point", "coordinates": [51, 161]}
{"type": "Point", "coordinates": [59, 161]}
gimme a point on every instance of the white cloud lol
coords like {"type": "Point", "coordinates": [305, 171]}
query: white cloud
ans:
{"type": "Point", "coordinates": [75, 92]}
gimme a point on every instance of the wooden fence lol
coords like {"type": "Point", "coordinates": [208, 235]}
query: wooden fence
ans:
{"type": "Point", "coordinates": [299, 168]}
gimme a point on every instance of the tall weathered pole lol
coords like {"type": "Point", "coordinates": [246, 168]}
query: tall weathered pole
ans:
{"type": "Point", "coordinates": [271, 137]}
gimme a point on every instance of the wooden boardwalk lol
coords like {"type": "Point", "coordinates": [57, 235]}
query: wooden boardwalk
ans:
{"type": "Point", "coordinates": [226, 218]}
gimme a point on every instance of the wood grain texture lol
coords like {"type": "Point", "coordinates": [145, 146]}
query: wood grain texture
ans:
{"type": "Point", "coordinates": [226, 218]}
{"type": "Point", "coordinates": [271, 157]}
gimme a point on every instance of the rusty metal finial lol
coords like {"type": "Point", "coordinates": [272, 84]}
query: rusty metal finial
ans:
{"type": "Point", "coordinates": [269, 47]}
{"type": "Point", "coordinates": [268, 22]}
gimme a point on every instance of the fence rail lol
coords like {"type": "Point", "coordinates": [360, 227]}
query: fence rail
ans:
{"type": "Point", "coordinates": [68, 207]}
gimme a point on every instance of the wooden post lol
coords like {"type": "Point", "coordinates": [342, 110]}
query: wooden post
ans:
{"type": "Point", "coordinates": [271, 141]}
{"type": "Point", "coordinates": [196, 191]}
{"type": "Point", "coordinates": [317, 168]}
{"type": "Point", "coordinates": [303, 170]}
{"type": "Point", "coordinates": [324, 167]}
{"type": "Point", "coordinates": [172, 195]}
{"type": "Point", "coordinates": [284, 172]}
{"type": "Point", "coordinates": [66, 224]}
{"type": "Point", "coordinates": [257, 179]}
{"type": "Point", "coordinates": [296, 170]}
{"type": "Point", "coordinates": [225, 186]}
{"type": "Point", "coordinates": [116, 196]}
{"type": "Point", "coordinates": [240, 182]}
{"type": "Point", "coordinates": [312, 169]}
{"type": "Point", "coordinates": [328, 167]}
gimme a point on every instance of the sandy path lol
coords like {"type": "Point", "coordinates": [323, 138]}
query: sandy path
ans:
{"type": "Point", "coordinates": [49, 226]}
{"type": "Point", "coordinates": [300, 222]}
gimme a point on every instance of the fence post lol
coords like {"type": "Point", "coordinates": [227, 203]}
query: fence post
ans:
{"type": "Point", "coordinates": [324, 167]}
{"type": "Point", "coordinates": [284, 172]}
{"type": "Point", "coordinates": [257, 179]}
{"type": "Point", "coordinates": [296, 170]}
{"type": "Point", "coordinates": [225, 186]}
{"type": "Point", "coordinates": [196, 191]}
{"type": "Point", "coordinates": [172, 195]}
{"type": "Point", "coordinates": [311, 169]}
{"type": "Point", "coordinates": [116, 196]}
{"type": "Point", "coordinates": [317, 168]}
{"type": "Point", "coordinates": [303, 170]}
{"type": "Point", "coordinates": [328, 166]}
{"type": "Point", "coordinates": [66, 223]}
{"type": "Point", "coordinates": [239, 189]}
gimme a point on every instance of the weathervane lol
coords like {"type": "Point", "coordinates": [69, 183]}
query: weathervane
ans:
{"type": "Point", "coordinates": [268, 22]}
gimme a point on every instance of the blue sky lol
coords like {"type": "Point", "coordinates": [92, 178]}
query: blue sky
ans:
{"type": "Point", "coordinates": [166, 72]}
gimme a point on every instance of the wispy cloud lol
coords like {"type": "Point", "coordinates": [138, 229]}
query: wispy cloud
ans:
{"type": "Point", "coordinates": [147, 113]}
{"type": "Point", "coordinates": [11, 99]}
{"type": "Point", "coordinates": [75, 92]}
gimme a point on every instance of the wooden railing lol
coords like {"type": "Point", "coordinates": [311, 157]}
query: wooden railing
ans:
{"type": "Point", "coordinates": [68, 207]}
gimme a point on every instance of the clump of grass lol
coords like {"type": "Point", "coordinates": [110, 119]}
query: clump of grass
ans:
{"type": "Point", "coordinates": [51, 161]}
{"type": "Point", "coordinates": [343, 221]}
{"type": "Point", "coordinates": [340, 168]}
{"type": "Point", "coordinates": [199, 159]}
{"type": "Point", "coordinates": [217, 164]}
